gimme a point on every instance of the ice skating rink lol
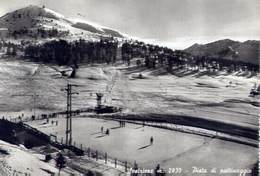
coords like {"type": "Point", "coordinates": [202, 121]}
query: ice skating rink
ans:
{"type": "Point", "coordinates": [170, 149]}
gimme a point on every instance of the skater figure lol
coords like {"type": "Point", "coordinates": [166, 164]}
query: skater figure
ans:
{"type": "Point", "coordinates": [157, 167]}
{"type": "Point", "coordinates": [107, 132]}
{"type": "Point", "coordinates": [102, 129]}
{"type": "Point", "coordinates": [52, 122]}
{"type": "Point", "coordinates": [151, 141]}
{"type": "Point", "coordinates": [57, 123]}
{"type": "Point", "coordinates": [205, 142]}
{"type": "Point", "coordinates": [120, 123]}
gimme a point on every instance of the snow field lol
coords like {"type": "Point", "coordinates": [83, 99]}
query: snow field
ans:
{"type": "Point", "coordinates": [21, 161]}
{"type": "Point", "coordinates": [224, 98]}
{"type": "Point", "coordinates": [221, 97]}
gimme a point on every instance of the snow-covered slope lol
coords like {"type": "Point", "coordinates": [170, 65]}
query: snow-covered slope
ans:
{"type": "Point", "coordinates": [18, 160]}
{"type": "Point", "coordinates": [193, 93]}
{"type": "Point", "coordinates": [28, 17]}
{"type": "Point", "coordinates": [33, 18]}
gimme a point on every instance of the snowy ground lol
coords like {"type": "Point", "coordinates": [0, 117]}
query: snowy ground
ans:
{"type": "Point", "coordinates": [18, 160]}
{"type": "Point", "coordinates": [219, 97]}
{"type": "Point", "coordinates": [25, 87]}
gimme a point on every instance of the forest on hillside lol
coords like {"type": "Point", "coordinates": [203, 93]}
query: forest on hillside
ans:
{"type": "Point", "coordinates": [62, 52]}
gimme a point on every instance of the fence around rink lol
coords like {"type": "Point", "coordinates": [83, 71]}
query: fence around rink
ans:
{"type": "Point", "coordinates": [94, 155]}
{"type": "Point", "coordinates": [76, 150]}
{"type": "Point", "coordinates": [79, 151]}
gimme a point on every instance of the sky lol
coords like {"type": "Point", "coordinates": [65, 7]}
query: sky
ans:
{"type": "Point", "coordinates": [177, 24]}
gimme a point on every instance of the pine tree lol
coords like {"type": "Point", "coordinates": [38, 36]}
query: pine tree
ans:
{"type": "Point", "coordinates": [9, 50]}
{"type": "Point", "coordinates": [14, 53]}
{"type": "Point", "coordinates": [61, 162]}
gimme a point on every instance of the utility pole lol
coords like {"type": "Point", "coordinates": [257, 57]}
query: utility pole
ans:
{"type": "Point", "coordinates": [34, 97]}
{"type": "Point", "coordinates": [69, 114]}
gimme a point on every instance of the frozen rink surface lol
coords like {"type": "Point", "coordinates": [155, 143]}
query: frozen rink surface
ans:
{"type": "Point", "coordinates": [170, 149]}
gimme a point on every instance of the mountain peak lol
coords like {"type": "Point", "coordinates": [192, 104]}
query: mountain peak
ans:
{"type": "Point", "coordinates": [27, 22]}
{"type": "Point", "coordinates": [226, 40]}
{"type": "Point", "coordinates": [196, 45]}
{"type": "Point", "coordinates": [247, 51]}
{"type": "Point", "coordinates": [33, 11]}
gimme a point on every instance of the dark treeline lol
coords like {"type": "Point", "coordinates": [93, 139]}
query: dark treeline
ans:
{"type": "Point", "coordinates": [62, 52]}
{"type": "Point", "coordinates": [39, 33]}
{"type": "Point", "coordinates": [11, 48]}
{"type": "Point", "coordinates": [152, 56]}
{"type": "Point", "coordinates": [71, 53]}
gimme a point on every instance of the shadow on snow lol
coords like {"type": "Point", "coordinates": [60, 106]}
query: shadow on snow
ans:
{"type": "Point", "coordinates": [144, 147]}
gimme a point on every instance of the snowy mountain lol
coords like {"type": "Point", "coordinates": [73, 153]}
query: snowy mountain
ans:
{"type": "Point", "coordinates": [42, 23]}
{"type": "Point", "coordinates": [247, 51]}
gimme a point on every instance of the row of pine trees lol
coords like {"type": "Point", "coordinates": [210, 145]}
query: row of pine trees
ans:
{"type": "Point", "coordinates": [153, 56]}
{"type": "Point", "coordinates": [62, 52]}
